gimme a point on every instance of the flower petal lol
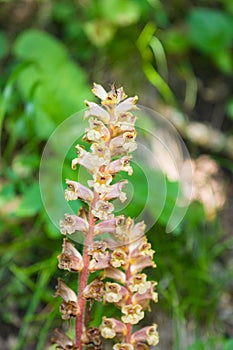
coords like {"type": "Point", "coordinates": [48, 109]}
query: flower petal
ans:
{"type": "Point", "coordinates": [132, 313]}
{"type": "Point", "coordinates": [70, 259]}
{"type": "Point", "coordinates": [76, 190]}
{"type": "Point", "coordinates": [73, 223]}
{"type": "Point", "coordinates": [111, 327]}
{"type": "Point", "coordinates": [96, 111]}
{"type": "Point", "coordinates": [99, 91]}
{"type": "Point", "coordinates": [148, 334]}
{"type": "Point", "coordinates": [127, 105]}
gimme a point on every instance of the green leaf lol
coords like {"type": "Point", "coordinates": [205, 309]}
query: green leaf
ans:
{"type": "Point", "coordinates": [3, 45]}
{"type": "Point", "coordinates": [228, 345]}
{"type": "Point", "coordinates": [41, 47]}
{"type": "Point", "coordinates": [120, 12]}
{"type": "Point", "coordinates": [175, 41]}
{"type": "Point", "coordinates": [224, 61]}
{"type": "Point", "coordinates": [55, 86]}
{"type": "Point", "coordinates": [210, 30]}
{"type": "Point", "coordinates": [229, 108]}
{"type": "Point", "coordinates": [31, 203]}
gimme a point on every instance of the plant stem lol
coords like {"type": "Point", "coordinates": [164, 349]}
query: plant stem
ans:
{"type": "Point", "coordinates": [129, 301]}
{"type": "Point", "coordinates": [83, 277]}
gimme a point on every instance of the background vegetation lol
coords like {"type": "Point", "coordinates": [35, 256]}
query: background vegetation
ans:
{"type": "Point", "coordinates": [177, 56]}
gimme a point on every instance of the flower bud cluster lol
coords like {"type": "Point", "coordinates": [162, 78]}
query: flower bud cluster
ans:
{"type": "Point", "coordinates": [117, 261]}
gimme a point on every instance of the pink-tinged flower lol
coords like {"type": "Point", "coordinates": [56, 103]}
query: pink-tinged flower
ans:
{"type": "Point", "coordinates": [127, 105]}
{"type": "Point", "coordinates": [95, 110]}
{"type": "Point", "coordinates": [101, 151]}
{"type": "Point", "coordinates": [118, 258]}
{"type": "Point", "coordinates": [125, 122]}
{"type": "Point", "coordinates": [121, 164]}
{"type": "Point", "coordinates": [114, 292]}
{"type": "Point", "coordinates": [73, 223]}
{"type": "Point", "coordinates": [138, 264]}
{"type": "Point", "coordinates": [107, 226]}
{"type": "Point", "coordinates": [90, 161]}
{"type": "Point", "coordinates": [123, 143]}
{"type": "Point", "coordinates": [123, 346]}
{"type": "Point", "coordinates": [138, 230]}
{"type": "Point", "coordinates": [146, 334]}
{"type": "Point", "coordinates": [99, 262]}
{"type": "Point", "coordinates": [115, 191]}
{"type": "Point", "coordinates": [94, 290]}
{"type": "Point", "coordinates": [144, 298]}
{"type": "Point", "coordinates": [100, 257]}
{"type": "Point", "coordinates": [138, 283]}
{"type": "Point", "coordinates": [110, 328]}
{"type": "Point", "coordinates": [62, 341]}
{"type": "Point", "coordinates": [103, 210]}
{"type": "Point", "coordinates": [97, 131]}
{"type": "Point", "coordinates": [97, 247]}
{"type": "Point", "coordinates": [136, 237]}
{"type": "Point", "coordinates": [140, 247]}
{"type": "Point", "coordinates": [70, 259]}
{"type": "Point", "coordinates": [114, 274]}
{"type": "Point", "coordinates": [132, 313]}
{"type": "Point", "coordinates": [101, 182]}
{"type": "Point", "coordinates": [129, 233]}
{"type": "Point", "coordinates": [76, 190]}
{"type": "Point", "coordinates": [99, 92]}
{"type": "Point", "coordinates": [69, 306]}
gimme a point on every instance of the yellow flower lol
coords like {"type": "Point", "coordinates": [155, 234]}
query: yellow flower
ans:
{"type": "Point", "coordinates": [133, 313]}
{"type": "Point", "coordinates": [118, 258]}
{"type": "Point", "coordinates": [115, 292]}
{"type": "Point", "coordinates": [101, 182]}
{"type": "Point", "coordinates": [110, 327]}
{"type": "Point", "coordinates": [152, 335]}
{"type": "Point", "coordinates": [138, 283]}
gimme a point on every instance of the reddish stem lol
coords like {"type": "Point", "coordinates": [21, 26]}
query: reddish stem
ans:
{"type": "Point", "coordinates": [83, 277]}
{"type": "Point", "coordinates": [129, 301]}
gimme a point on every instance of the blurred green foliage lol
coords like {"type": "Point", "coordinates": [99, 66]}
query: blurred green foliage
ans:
{"type": "Point", "coordinates": [48, 67]}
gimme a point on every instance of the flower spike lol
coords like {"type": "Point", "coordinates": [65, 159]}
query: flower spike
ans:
{"type": "Point", "coordinates": [116, 250]}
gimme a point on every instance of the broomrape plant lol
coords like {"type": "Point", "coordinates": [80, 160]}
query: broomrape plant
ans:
{"type": "Point", "coordinates": [117, 260]}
